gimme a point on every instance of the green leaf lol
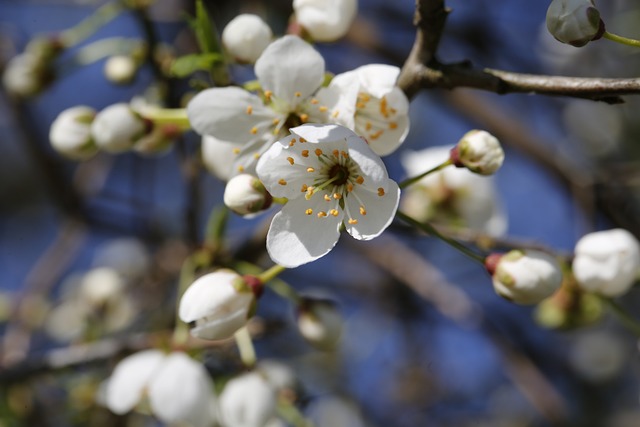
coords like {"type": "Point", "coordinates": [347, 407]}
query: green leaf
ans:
{"type": "Point", "coordinates": [202, 26]}
{"type": "Point", "coordinates": [189, 64]}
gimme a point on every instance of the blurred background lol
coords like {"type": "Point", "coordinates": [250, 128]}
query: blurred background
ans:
{"type": "Point", "coordinates": [426, 340]}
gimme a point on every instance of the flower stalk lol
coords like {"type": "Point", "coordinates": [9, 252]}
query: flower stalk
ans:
{"type": "Point", "coordinates": [245, 347]}
{"type": "Point", "coordinates": [409, 181]}
{"type": "Point", "coordinates": [620, 39]}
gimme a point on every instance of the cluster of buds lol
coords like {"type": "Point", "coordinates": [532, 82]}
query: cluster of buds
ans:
{"type": "Point", "coordinates": [80, 132]}
{"type": "Point", "coordinates": [574, 22]}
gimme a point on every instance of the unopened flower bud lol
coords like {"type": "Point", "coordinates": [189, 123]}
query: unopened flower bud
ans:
{"type": "Point", "coordinates": [117, 128]}
{"type": "Point", "coordinates": [247, 401]}
{"type": "Point", "coordinates": [101, 286]}
{"type": "Point", "coordinates": [70, 133]}
{"type": "Point", "coordinates": [607, 262]}
{"type": "Point", "coordinates": [245, 194]}
{"type": "Point", "coordinates": [325, 21]}
{"type": "Point", "coordinates": [320, 323]}
{"type": "Point", "coordinates": [524, 277]}
{"type": "Point", "coordinates": [24, 75]}
{"type": "Point", "coordinates": [246, 36]}
{"type": "Point", "coordinates": [120, 69]}
{"type": "Point", "coordinates": [478, 151]}
{"type": "Point", "coordinates": [219, 303]}
{"type": "Point", "coordinates": [574, 22]}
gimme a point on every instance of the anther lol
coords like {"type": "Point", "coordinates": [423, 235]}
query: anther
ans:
{"type": "Point", "coordinates": [236, 151]}
{"type": "Point", "coordinates": [240, 168]}
{"type": "Point", "coordinates": [305, 153]}
{"type": "Point", "coordinates": [349, 187]}
{"type": "Point", "coordinates": [363, 211]}
{"type": "Point", "coordinates": [256, 155]}
{"type": "Point", "coordinates": [344, 154]}
{"type": "Point", "coordinates": [302, 140]}
{"type": "Point", "coordinates": [282, 182]}
{"type": "Point", "coordinates": [368, 126]}
{"type": "Point", "coordinates": [304, 188]}
{"type": "Point", "coordinates": [327, 198]}
{"type": "Point", "coordinates": [334, 212]}
{"type": "Point", "coordinates": [318, 152]}
{"type": "Point", "coordinates": [360, 180]}
{"type": "Point", "coordinates": [323, 109]}
{"type": "Point", "coordinates": [249, 109]}
{"type": "Point", "coordinates": [376, 135]}
{"type": "Point", "coordinates": [304, 118]}
{"type": "Point", "coordinates": [322, 214]}
{"type": "Point", "coordinates": [310, 170]}
{"type": "Point", "coordinates": [290, 160]}
{"type": "Point", "coordinates": [393, 125]}
{"type": "Point", "coordinates": [309, 211]}
{"type": "Point", "coordinates": [298, 94]}
{"type": "Point", "coordinates": [353, 221]}
{"type": "Point", "coordinates": [268, 94]}
{"type": "Point", "coordinates": [380, 191]}
{"type": "Point", "coordinates": [314, 101]}
{"type": "Point", "coordinates": [336, 114]}
{"type": "Point", "coordinates": [275, 122]}
{"type": "Point", "coordinates": [337, 196]}
{"type": "Point", "coordinates": [336, 153]}
{"type": "Point", "coordinates": [254, 130]}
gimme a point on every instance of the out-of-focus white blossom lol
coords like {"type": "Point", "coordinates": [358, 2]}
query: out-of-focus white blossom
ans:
{"type": "Point", "coordinates": [246, 195]}
{"type": "Point", "coordinates": [219, 303]}
{"type": "Point", "coordinates": [246, 36]}
{"type": "Point", "coordinates": [525, 277]}
{"type": "Point", "coordinates": [219, 156]}
{"type": "Point", "coordinates": [320, 323]}
{"type": "Point", "coordinates": [117, 128]}
{"type": "Point", "coordinates": [70, 133]}
{"type": "Point", "coordinates": [24, 75]}
{"type": "Point", "coordinates": [101, 286]}
{"type": "Point", "coordinates": [479, 151]}
{"type": "Point", "coordinates": [178, 389]}
{"type": "Point", "coordinates": [452, 196]}
{"type": "Point", "coordinates": [279, 375]}
{"type": "Point", "coordinates": [368, 101]}
{"type": "Point", "coordinates": [598, 356]}
{"type": "Point", "coordinates": [330, 177]}
{"type": "Point", "coordinates": [575, 22]}
{"type": "Point", "coordinates": [607, 262]}
{"type": "Point", "coordinates": [127, 255]}
{"type": "Point", "coordinates": [333, 411]}
{"type": "Point", "coordinates": [120, 69]}
{"type": "Point", "coordinates": [325, 20]}
{"type": "Point", "coordinates": [247, 401]}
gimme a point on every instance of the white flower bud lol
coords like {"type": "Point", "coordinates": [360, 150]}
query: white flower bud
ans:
{"type": "Point", "coordinates": [101, 286]}
{"type": "Point", "coordinates": [117, 128]}
{"type": "Point", "coordinates": [320, 323]}
{"type": "Point", "coordinates": [246, 36]}
{"type": "Point", "coordinates": [120, 69]}
{"type": "Point", "coordinates": [24, 75]}
{"type": "Point", "coordinates": [324, 20]}
{"type": "Point", "coordinates": [524, 277]}
{"type": "Point", "coordinates": [478, 151]}
{"type": "Point", "coordinates": [219, 303]}
{"type": "Point", "coordinates": [574, 22]}
{"type": "Point", "coordinates": [607, 262]}
{"type": "Point", "coordinates": [70, 133]}
{"type": "Point", "coordinates": [247, 401]}
{"type": "Point", "coordinates": [245, 194]}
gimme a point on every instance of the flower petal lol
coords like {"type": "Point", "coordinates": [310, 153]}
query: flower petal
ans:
{"type": "Point", "coordinates": [218, 156]}
{"type": "Point", "coordinates": [206, 294]}
{"type": "Point", "coordinates": [129, 380]}
{"type": "Point", "coordinates": [230, 114]}
{"type": "Point", "coordinates": [377, 79]}
{"type": "Point", "coordinates": [291, 68]}
{"type": "Point", "coordinates": [380, 211]}
{"type": "Point", "coordinates": [373, 169]}
{"type": "Point", "coordinates": [194, 403]}
{"type": "Point", "coordinates": [383, 136]}
{"type": "Point", "coordinates": [315, 133]}
{"type": "Point", "coordinates": [247, 159]}
{"type": "Point", "coordinates": [296, 238]}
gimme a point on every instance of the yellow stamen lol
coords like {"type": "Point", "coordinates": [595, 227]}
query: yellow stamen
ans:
{"type": "Point", "coordinates": [304, 118]}
{"type": "Point", "coordinates": [334, 212]}
{"type": "Point", "coordinates": [254, 130]}
{"type": "Point", "coordinates": [318, 152]}
{"type": "Point", "coordinates": [322, 214]}
{"type": "Point", "coordinates": [361, 105]}
{"type": "Point", "coordinates": [327, 198]}
{"type": "Point", "coordinates": [282, 182]}
{"type": "Point", "coordinates": [336, 153]}
{"type": "Point", "coordinates": [304, 188]}
{"type": "Point", "coordinates": [365, 97]}
{"type": "Point", "coordinates": [309, 211]}
{"type": "Point", "coordinates": [275, 122]}
{"type": "Point", "coordinates": [256, 155]}
{"type": "Point", "coordinates": [368, 126]}
{"type": "Point", "coordinates": [310, 170]}
{"type": "Point", "coordinates": [349, 187]}
{"type": "Point", "coordinates": [240, 168]}
{"type": "Point", "coordinates": [344, 154]}
{"type": "Point", "coordinates": [236, 151]}
{"type": "Point", "coordinates": [302, 140]}
{"type": "Point", "coordinates": [362, 210]}
{"type": "Point", "coordinates": [268, 94]}
{"type": "Point", "coordinates": [336, 114]}
{"type": "Point", "coordinates": [323, 109]}
{"type": "Point", "coordinates": [337, 196]}
{"type": "Point", "coordinates": [314, 101]}
{"type": "Point", "coordinates": [353, 221]}
{"type": "Point", "coordinates": [290, 160]}
{"type": "Point", "coordinates": [380, 191]}
{"type": "Point", "coordinates": [305, 153]}
{"type": "Point", "coordinates": [383, 107]}
{"type": "Point", "coordinates": [249, 109]}
{"type": "Point", "coordinates": [298, 94]}
{"type": "Point", "coordinates": [360, 180]}
{"type": "Point", "coordinates": [393, 125]}
{"type": "Point", "coordinates": [376, 135]}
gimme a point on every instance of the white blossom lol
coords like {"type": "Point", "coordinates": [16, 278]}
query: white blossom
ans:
{"type": "Point", "coordinates": [526, 277]}
{"type": "Point", "coordinates": [368, 101]}
{"type": "Point", "coordinates": [246, 36]}
{"type": "Point", "coordinates": [246, 195]}
{"type": "Point", "coordinates": [330, 177]}
{"type": "Point", "coordinates": [24, 75]}
{"type": "Point", "coordinates": [70, 133]}
{"type": "Point", "coordinates": [451, 196]}
{"type": "Point", "coordinates": [117, 128]}
{"type": "Point", "coordinates": [325, 20]}
{"type": "Point", "coordinates": [178, 388]}
{"type": "Point", "coordinates": [247, 401]}
{"type": "Point", "coordinates": [289, 71]}
{"type": "Point", "coordinates": [120, 69]}
{"type": "Point", "coordinates": [320, 323]}
{"type": "Point", "coordinates": [607, 262]}
{"type": "Point", "coordinates": [480, 152]}
{"type": "Point", "coordinates": [575, 22]}
{"type": "Point", "coordinates": [219, 303]}
{"type": "Point", "coordinates": [218, 157]}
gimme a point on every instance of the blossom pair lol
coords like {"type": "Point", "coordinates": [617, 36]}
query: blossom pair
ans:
{"type": "Point", "coordinates": [291, 75]}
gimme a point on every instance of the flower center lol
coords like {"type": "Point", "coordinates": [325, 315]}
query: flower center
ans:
{"type": "Point", "coordinates": [339, 174]}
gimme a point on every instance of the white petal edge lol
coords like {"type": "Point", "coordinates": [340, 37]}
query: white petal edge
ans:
{"type": "Point", "coordinates": [380, 212]}
{"type": "Point", "coordinates": [214, 288]}
{"type": "Point", "coordinates": [130, 378]}
{"type": "Point", "coordinates": [315, 133]}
